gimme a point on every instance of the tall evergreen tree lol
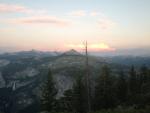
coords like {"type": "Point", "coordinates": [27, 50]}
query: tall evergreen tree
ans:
{"type": "Point", "coordinates": [143, 75]}
{"type": "Point", "coordinates": [104, 93]}
{"type": "Point", "coordinates": [49, 92]}
{"type": "Point", "coordinates": [132, 81]}
{"type": "Point", "coordinates": [79, 96]}
{"type": "Point", "coordinates": [66, 102]}
{"type": "Point", "coordinates": [74, 100]}
{"type": "Point", "coordinates": [122, 88]}
{"type": "Point", "coordinates": [144, 85]}
{"type": "Point", "coordinates": [132, 86]}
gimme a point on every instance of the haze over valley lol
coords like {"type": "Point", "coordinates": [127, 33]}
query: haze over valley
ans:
{"type": "Point", "coordinates": [74, 56]}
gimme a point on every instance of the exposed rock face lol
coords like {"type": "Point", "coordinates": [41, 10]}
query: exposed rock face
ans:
{"type": "Point", "coordinates": [67, 61]}
{"type": "Point", "coordinates": [18, 83]}
{"type": "Point", "coordinates": [28, 72]}
{"type": "Point", "coordinates": [2, 81]}
{"type": "Point", "coordinates": [4, 62]}
{"type": "Point", "coordinates": [63, 83]}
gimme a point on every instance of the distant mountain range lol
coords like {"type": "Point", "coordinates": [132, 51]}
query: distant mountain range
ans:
{"type": "Point", "coordinates": [28, 69]}
{"type": "Point", "coordinates": [32, 53]}
{"type": "Point", "coordinates": [124, 52]}
{"type": "Point", "coordinates": [143, 51]}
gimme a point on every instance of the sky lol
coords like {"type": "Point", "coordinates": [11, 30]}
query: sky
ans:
{"type": "Point", "coordinates": [59, 25]}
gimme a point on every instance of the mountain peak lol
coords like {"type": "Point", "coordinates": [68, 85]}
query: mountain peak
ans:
{"type": "Point", "coordinates": [71, 52]}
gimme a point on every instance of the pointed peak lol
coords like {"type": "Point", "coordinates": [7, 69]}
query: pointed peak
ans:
{"type": "Point", "coordinates": [72, 52]}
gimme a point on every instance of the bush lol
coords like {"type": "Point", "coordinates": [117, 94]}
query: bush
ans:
{"type": "Point", "coordinates": [125, 110]}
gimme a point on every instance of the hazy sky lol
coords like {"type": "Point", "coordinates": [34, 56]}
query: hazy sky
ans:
{"type": "Point", "coordinates": [107, 25]}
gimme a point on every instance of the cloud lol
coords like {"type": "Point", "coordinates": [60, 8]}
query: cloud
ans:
{"type": "Point", "coordinates": [101, 47]}
{"type": "Point", "coordinates": [105, 23]}
{"type": "Point", "coordinates": [92, 47]}
{"type": "Point", "coordinates": [94, 13]}
{"type": "Point", "coordinates": [82, 13]}
{"type": "Point", "coordinates": [75, 45]}
{"type": "Point", "coordinates": [11, 8]}
{"type": "Point", "coordinates": [78, 13]}
{"type": "Point", "coordinates": [41, 20]}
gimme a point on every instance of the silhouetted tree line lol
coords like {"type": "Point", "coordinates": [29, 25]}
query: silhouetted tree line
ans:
{"type": "Point", "coordinates": [6, 100]}
{"type": "Point", "coordinates": [110, 91]}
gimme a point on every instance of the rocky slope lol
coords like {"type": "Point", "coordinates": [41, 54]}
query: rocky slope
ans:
{"type": "Point", "coordinates": [26, 72]}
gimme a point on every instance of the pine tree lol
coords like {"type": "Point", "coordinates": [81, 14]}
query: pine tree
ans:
{"type": "Point", "coordinates": [48, 99]}
{"type": "Point", "coordinates": [122, 88]}
{"type": "Point", "coordinates": [104, 93]}
{"type": "Point", "coordinates": [66, 102]}
{"type": "Point", "coordinates": [133, 86]}
{"type": "Point", "coordinates": [144, 85]}
{"type": "Point", "coordinates": [75, 99]}
{"type": "Point", "coordinates": [143, 75]}
{"type": "Point", "coordinates": [132, 81]}
{"type": "Point", "coordinates": [79, 96]}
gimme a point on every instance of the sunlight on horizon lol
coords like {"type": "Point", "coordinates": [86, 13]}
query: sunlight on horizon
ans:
{"type": "Point", "coordinates": [91, 47]}
{"type": "Point", "coordinates": [47, 25]}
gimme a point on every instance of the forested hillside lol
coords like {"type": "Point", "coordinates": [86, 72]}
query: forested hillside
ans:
{"type": "Point", "coordinates": [30, 83]}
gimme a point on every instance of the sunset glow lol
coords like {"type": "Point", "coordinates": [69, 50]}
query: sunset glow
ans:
{"type": "Point", "coordinates": [65, 24]}
{"type": "Point", "coordinates": [92, 47]}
